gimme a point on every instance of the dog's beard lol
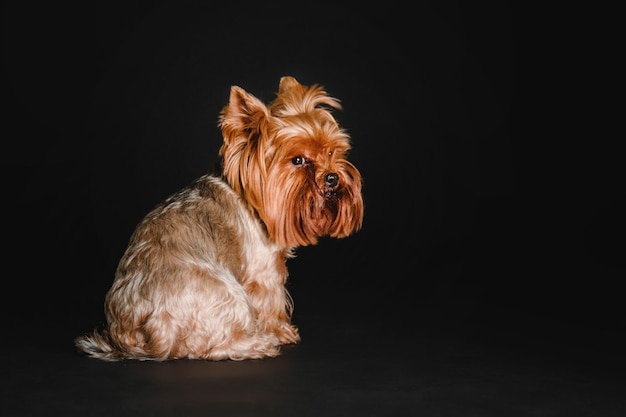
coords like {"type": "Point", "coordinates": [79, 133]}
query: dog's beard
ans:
{"type": "Point", "coordinates": [299, 208]}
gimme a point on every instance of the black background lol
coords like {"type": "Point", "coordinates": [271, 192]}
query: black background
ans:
{"type": "Point", "coordinates": [488, 228]}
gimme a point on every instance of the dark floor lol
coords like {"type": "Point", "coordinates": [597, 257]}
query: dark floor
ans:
{"type": "Point", "coordinates": [354, 365]}
{"type": "Point", "coordinates": [484, 281]}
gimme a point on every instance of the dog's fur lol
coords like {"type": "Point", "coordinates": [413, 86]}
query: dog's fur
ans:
{"type": "Point", "coordinates": [205, 271]}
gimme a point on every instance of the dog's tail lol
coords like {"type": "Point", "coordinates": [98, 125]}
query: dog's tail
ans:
{"type": "Point", "coordinates": [99, 345]}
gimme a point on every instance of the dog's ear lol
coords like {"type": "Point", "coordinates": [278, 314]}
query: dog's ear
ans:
{"type": "Point", "coordinates": [287, 83]}
{"type": "Point", "coordinates": [244, 121]}
{"type": "Point", "coordinates": [294, 98]}
{"type": "Point", "coordinates": [243, 116]}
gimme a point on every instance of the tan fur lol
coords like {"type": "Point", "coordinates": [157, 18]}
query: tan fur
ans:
{"type": "Point", "coordinates": [204, 273]}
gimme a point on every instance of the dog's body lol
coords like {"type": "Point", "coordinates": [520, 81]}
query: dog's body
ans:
{"type": "Point", "coordinates": [205, 271]}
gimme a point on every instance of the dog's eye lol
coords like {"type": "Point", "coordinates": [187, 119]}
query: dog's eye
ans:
{"type": "Point", "coordinates": [297, 161]}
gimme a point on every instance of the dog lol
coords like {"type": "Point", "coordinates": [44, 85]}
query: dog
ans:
{"type": "Point", "coordinates": [204, 273]}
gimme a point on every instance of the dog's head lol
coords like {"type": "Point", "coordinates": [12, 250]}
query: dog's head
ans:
{"type": "Point", "coordinates": [288, 160]}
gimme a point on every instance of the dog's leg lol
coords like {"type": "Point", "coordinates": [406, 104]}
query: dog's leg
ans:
{"type": "Point", "coordinates": [272, 302]}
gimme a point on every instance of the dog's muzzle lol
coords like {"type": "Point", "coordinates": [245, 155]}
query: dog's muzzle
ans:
{"type": "Point", "coordinates": [331, 181]}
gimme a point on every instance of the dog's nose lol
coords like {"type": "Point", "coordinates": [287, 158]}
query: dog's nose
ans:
{"type": "Point", "coordinates": [331, 179]}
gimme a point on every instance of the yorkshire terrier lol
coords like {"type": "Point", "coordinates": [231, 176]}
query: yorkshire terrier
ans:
{"type": "Point", "coordinates": [204, 273]}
